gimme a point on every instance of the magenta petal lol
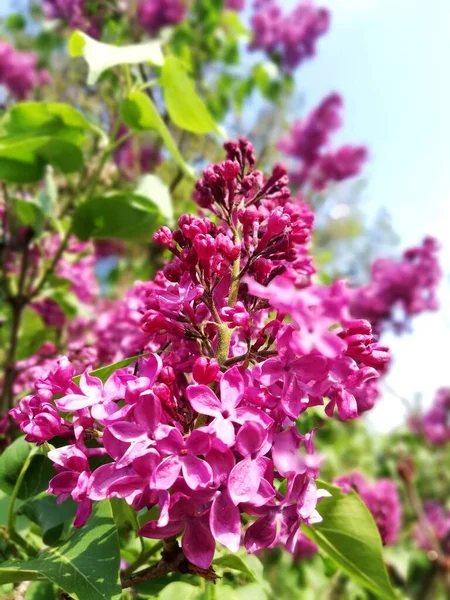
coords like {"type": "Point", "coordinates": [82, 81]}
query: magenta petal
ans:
{"type": "Point", "coordinates": [231, 389]}
{"type": "Point", "coordinates": [166, 473]}
{"type": "Point", "coordinates": [203, 400]}
{"type": "Point", "coordinates": [225, 521]}
{"type": "Point", "coordinates": [224, 431]}
{"type": "Point", "coordinates": [261, 534]}
{"type": "Point", "coordinates": [250, 438]}
{"type": "Point", "coordinates": [196, 472]}
{"type": "Point", "coordinates": [63, 483]}
{"type": "Point", "coordinates": [346, 405]}
{"type": "Point", "coordinates": [146, 463]}
{"type": "Point", "coordinates": [198, 544]}
{"type": "Point", "coordinates": [199, 442]}
{"type": "Point", "coordinates": [127, 432]}
{"type": "Point", "coordinates": [83, 513]}
{"type": "Point", "coordinates": [91, 386]}
{"type": "Point", "coordinates": [268, 372]}
{"type": "Point", "coordinates": [73, 402]}
{"type": "Point", "coordinates": [147, 411]}
{"type": "Point", "coordinates": [171, 443]}
{"type": "Point", "coordinates": [153, 531]}
{"type": "Point", "coordinates": [102, 479]}
{"type": "Point", "coordinates": [243, 481]}
{"type": "Point", "coordinates": [150, 367]}
{"type": "Point", "coordinates": [135, 450]}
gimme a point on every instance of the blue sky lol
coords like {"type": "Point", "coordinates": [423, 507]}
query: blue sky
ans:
{"type": "Point", "coordinates": [390, 61]}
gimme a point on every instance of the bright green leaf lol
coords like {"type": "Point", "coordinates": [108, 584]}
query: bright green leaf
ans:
{"type": "Point", "coordinates": [119, 216]}
{"type": "Point", "coordinates": [86, 566]}
{"type": "Point", "coordinates": [41, 590]}
{"type": "Point", "coordinates": [101, 57]}
{"type": "Point", "coordinates": [349, 535]}
{"type": "Point", "coordinates": [184, 106]}
{"type": "Point", "coordinates": [36, 134]}
{"type": "Point", "coordinates": [235, 562]}
{"type": "Point", "coordinates": [178, 590]}
{"type": "Point", "coordinates": [140, 114]}
{"type": "Point", "coordinates": [32, 334]}
{"type": "Point", "coordinates": [12, 460]}
{"type": "Point", "coordinates": [49, 515]}
{"type": "Point", "coordinates": [152, 187]}
{"type": "Point", "coordinates": [104, 372]}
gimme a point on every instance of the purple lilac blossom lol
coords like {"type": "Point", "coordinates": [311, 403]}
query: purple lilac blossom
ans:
{"type": "Point", "coordinates": [293, 36]}
{"type": "Point", "coordinates": [314, 161]}
{"type": "Point", "coordinates": [400, 289]}
{"type": "Point", "coordinates": [153, 15]}
{"type": "Point", "coordinates": [19, 71]}
{"type": "Point", "coordinates": [205, 430]}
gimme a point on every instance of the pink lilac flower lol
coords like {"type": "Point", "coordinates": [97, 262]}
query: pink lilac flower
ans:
{"type": "Point", "coordinates": [293, 36]}
{"type": "Point", "coordinates": [235, 4]}
{"type": "Point", "coordinates": [400, 289]}
{"type": "Point", "coordinates": [239, 344]}
{"type": "Point", "coordinates": [19, 71]}
{"type": "Point", "coordinates": [153, 15]}
{"type": "Point", "coordinates": [439, 520]}
{"type": "Point", "coordinates": [381, 499]}
{"type": "Point", "coordinates": [79, 14]}
{"type": "Point", "coordinates": [435, 423]}
{"type": "Point", "coordinates": [309, 145]}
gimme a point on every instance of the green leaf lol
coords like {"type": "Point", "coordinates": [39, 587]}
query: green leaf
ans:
{"type": "Point", "coordinates": [104, 372]}
{"type": "Point", "coordinates": [349, 535]}
{"type": "Point", "coordinates": [32, 334]}
{"type": "Point", "coordinates": [125, 517]}
{"type": "Point", "coordinates": [43, 118]}
{"type": "Point", "coordinates": [11, 462]}
{"type": "Point", "coordinates": [41, 590]}
{"type": "Point", "coordinates": [25, 213]}
{"type": "Point", "coordinates": [86, 566]}
{"type": "Point", "coordinates": [153, 188]}
{"type": "Point", "coordinates": [178, 590]}
{"type": "Point", "coordinates": [184, 106]}
{"type": "Point", "coordinates": [37, 134]}
{"type": "Point", "coordinates": [12, 572]}
{"type": "Point", "coordinates": [235, 562]}
{"type": "Point", "coordinates": [49, 515]}
{"type": "Point", "coordinates": [139, 113]}
{"type": "Point", "coordinates": [120, 216]}
{"type": "Point", "coordinates": [101, 57]}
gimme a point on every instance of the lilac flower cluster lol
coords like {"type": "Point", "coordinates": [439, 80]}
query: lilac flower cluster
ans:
{"type": "Point", "coordinates": [241, 345]}
{"type": "Point", "coordinates": [153, 15]}
{"type": "Point", "coordinates": [309, 143]}
{"type": "Point", "coordinates": [19, 71]}
{"type": "Point", "coordinates": [439, 520]}
{"type": "Point", "coordinates": [381, 499]}
{"type": "Point", "coordinates": [292, 36]}
{"type": "Point", "coordinates": [400, 289]}
{"type": "Point", "coordinates": [78, 14]}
